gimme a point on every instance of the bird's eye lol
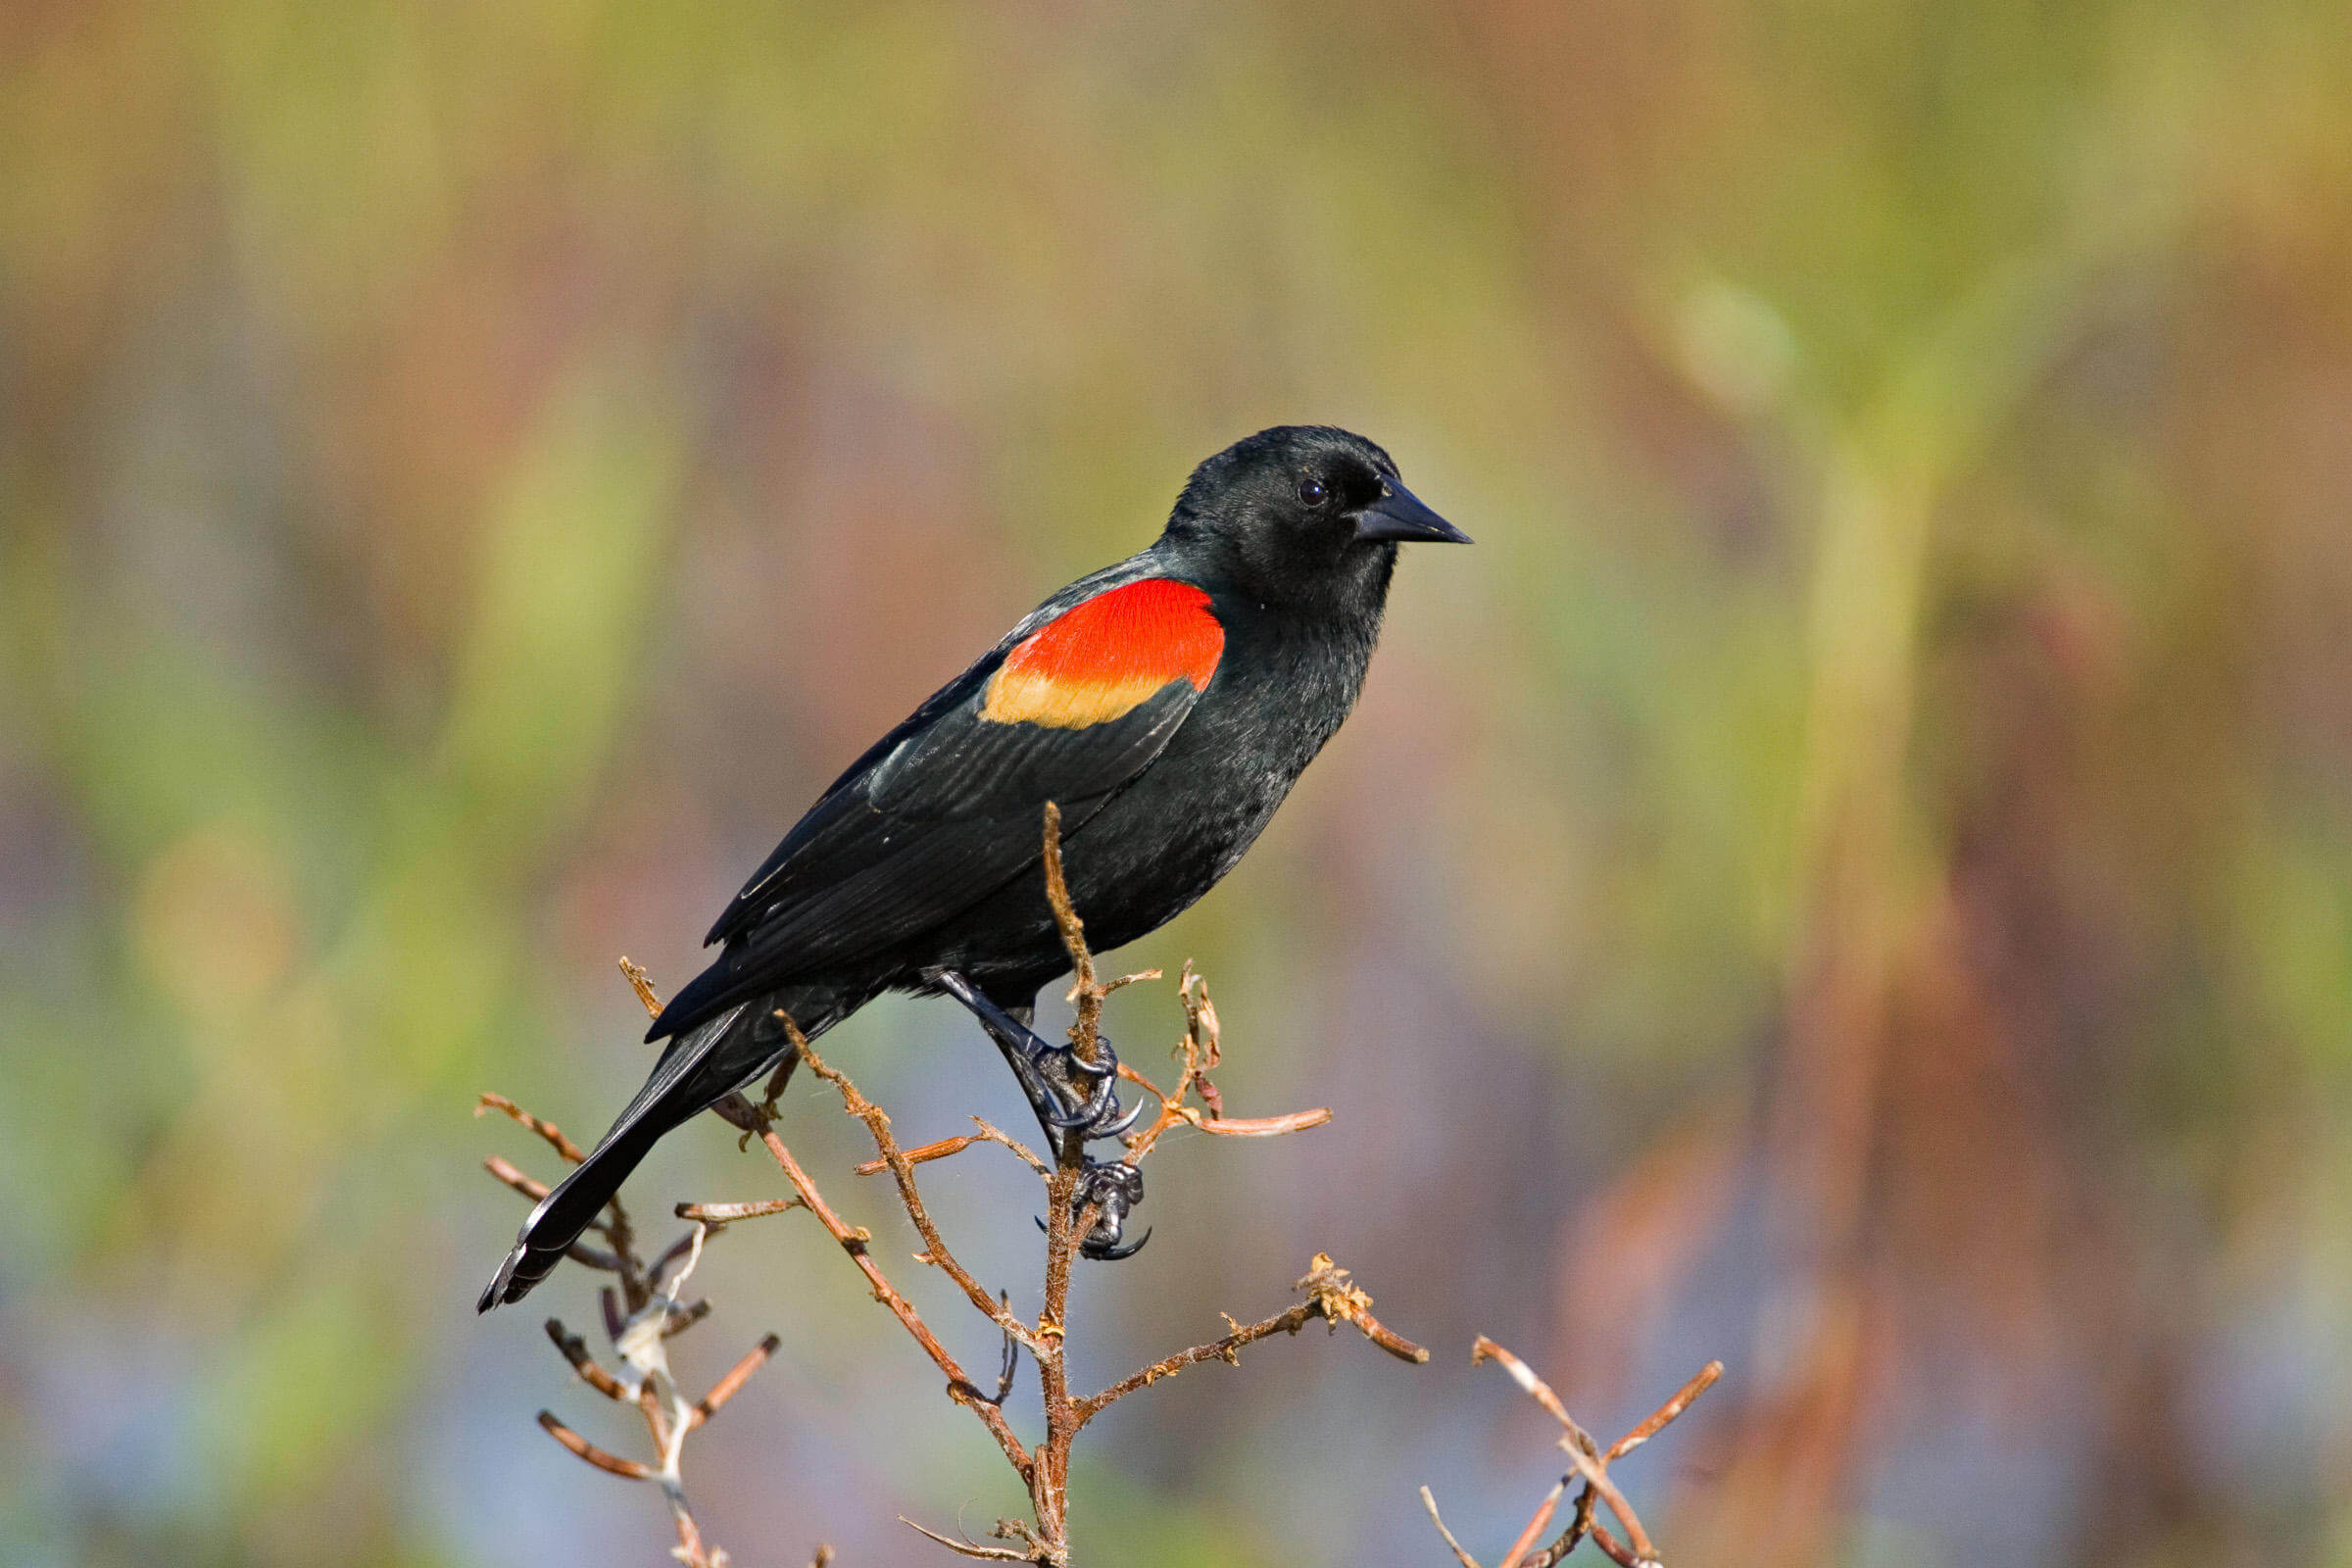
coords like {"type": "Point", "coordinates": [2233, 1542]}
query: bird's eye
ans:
{"type": "Point", "coordinates": [1311, 492]}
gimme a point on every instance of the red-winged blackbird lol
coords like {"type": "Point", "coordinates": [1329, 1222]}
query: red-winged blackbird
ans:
{"type": "Point", "coordinates": [1167, 704]}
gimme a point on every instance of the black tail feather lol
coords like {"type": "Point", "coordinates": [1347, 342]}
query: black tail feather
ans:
{"type": "Point", "coordinates": [569, 1211]}
{"type": "Point", "coordinates": [696, 1072]}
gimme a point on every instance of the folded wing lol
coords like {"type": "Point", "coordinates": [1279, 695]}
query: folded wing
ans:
{"type": "Point", "coordinates": [947, 808]}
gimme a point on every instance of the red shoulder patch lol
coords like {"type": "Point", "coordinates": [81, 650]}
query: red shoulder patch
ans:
{"type": "Point", "coordinates": [1099, 658]}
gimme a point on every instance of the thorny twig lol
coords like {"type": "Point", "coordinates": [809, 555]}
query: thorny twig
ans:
{"type": "Point", "coordinates": [1330, 1294]}
{"type": "Point", "coordinates": [1587, 1464]}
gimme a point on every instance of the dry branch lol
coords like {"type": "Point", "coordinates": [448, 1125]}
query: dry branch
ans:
{"type": "Point", "coordinates": [640, 1333]}
{"type": "Point", "coordinates": [1330, 1297]}
{"type": "Point", "coordinates": [653, 1312]}
{"type": "Point", "coordinates": [1588, 1465]}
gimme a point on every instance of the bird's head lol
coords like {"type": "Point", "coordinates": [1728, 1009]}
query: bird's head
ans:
{"type": "Point", "coordinates": [1302, 515]}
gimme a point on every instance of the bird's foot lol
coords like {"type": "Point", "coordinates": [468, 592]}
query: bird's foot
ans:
{"type": "Point", "coordinates": [1117, 1187]}
{"type": "Point", "coordinates": [1112, 1189]}
{"type": "Point", "coordinates": [1085, 1094]}
{"type": "Point", "coordinates": [1077, 1101]}
{"type": "Point", "coordinates": [1072, 1096]}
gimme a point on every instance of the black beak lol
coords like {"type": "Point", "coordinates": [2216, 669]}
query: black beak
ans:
{"type": "Point", "coordinates": [1400, 515]}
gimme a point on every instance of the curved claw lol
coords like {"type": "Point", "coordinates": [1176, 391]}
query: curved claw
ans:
{"type": "Point", "coordinates": [1101, 1248]}
{"type": "Point", "coordinates": [1103, 1069]}
{"type": "Point", "coordinates": [1050, 1112]}
{"type": "Point", "coordinates": [1102, 1108]}
{"type": "Point", "coordinates": [1112, 1252]}
{"type": "Point", "coordinates": [1132, 1115]}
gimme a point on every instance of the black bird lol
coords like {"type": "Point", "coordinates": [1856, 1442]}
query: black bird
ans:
{"type": "Point", "coordinates": [1167, 704]}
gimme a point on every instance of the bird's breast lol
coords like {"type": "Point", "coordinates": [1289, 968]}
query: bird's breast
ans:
{"type": "Point", "coordinates": [1169, 837]}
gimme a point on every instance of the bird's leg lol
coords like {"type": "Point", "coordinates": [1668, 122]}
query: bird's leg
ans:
{"type": "Point", "coordinates": [1076, 1103]}
{"type": "Point", "coordinates": [1071, 1097]}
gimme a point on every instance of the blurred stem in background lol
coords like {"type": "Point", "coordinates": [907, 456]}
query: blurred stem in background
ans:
{"type": "Point", "coordinates": [1870, 906]}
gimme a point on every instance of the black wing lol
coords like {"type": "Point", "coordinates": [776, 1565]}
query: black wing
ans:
{"type": "Point", "coordinates": [936, 817]}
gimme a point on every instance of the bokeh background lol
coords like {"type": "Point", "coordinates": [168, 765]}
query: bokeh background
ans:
{"type": "Point", "coordinates": [1852, 873]}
